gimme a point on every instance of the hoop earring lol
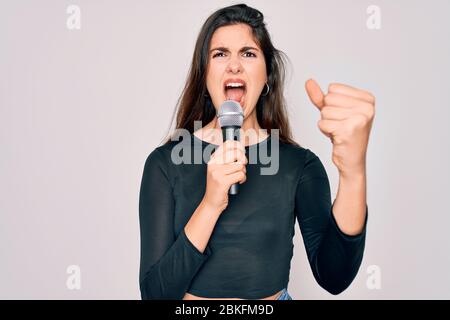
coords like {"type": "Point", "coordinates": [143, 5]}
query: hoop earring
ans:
{"type": "Point", "coordinates": [268, 89]}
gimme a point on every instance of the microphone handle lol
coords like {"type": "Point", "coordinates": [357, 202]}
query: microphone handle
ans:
{"type": "Point", "coordinates": [231, 133]}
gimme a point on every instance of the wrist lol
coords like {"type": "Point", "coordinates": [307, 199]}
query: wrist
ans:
{"type": "Point", "coordinates": [353, 173]}
{"type": "Point", "coordinates": [210, 208]}
{"type": "Point", "coordinates": [352, 176]}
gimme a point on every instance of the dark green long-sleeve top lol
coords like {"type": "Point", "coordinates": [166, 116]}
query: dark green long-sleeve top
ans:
{"type": "Point", "coordinates": [249, 253]}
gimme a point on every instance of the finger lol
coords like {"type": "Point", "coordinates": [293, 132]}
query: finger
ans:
{"type": "Point", "coordinates": [227, 146]}
{"type": "Point", "coordinates": [230, 156]}
{"type": "Point", "coordinates": [235, 155]}
{"type": "Point", "coordinates": [236, 177]}
{"type": "Point", "coordinates": [233, 144]}
{"type": "Point", "coordinates": [344, 101]}
{"type": "Point", "coordinates": [230, 168]}
{"type": "Point", "coordinates": [351, 91]}
{"type": "Point", "coordinates": [315, 93]}
{"type": "Point", "coordinates": [335, 113]}
{"type": "Point", "coordinates": [329, 127]}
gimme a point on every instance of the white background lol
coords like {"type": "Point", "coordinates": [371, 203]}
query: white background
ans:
{"type": "Point", "coordinates": [80, 110]}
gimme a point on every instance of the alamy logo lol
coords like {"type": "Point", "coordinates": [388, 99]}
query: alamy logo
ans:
{"type": "Point", "coordinates": [74, 279]}
{"type": "Point", "coordinates": [183, 153]}
{"type": "Point", "coordinates": [74, 19]}
{"type": "Point", "coordinates": [374, 20]}
{"type": "Point", "coordinates": [374, 280]}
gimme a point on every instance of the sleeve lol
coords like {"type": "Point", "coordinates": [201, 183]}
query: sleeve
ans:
{"type": "Point", "coordinates": [334, 256]}
{"type": "Point", "coordinates": [168, 262]}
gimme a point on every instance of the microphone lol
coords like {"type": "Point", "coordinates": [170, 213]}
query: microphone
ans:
{"type": "Point", "coordinates": [230, 118]}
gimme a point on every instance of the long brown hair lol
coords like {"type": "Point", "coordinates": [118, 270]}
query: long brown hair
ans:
{"type": "Point", "coordinates": [195, 104]}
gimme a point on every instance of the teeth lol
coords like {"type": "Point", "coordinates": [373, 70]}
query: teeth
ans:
{"type": "Point", "coordinates": [234, 85]}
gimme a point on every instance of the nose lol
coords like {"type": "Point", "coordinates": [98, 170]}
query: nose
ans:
{"type": "Point", "coordinates": [234, 66]}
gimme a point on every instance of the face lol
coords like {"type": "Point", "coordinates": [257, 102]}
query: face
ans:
{"type": "Point", "coordinates": [236, 67]}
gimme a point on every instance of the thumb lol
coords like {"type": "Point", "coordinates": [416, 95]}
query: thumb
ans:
{"type": "Point", "coordinates": [315, 93]}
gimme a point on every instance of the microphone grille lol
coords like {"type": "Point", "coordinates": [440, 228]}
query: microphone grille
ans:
{"type": "Point", "coordinates": [230, 114]}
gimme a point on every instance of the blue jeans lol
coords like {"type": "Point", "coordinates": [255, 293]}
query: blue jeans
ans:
{"type": "Point", "coordinates": [284, 295]}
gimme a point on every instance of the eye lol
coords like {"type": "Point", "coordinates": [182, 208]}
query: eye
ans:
{"type": "Point", "coordinates": [251, 54]}
{"type": "Point", "coordinates": [217, 53]}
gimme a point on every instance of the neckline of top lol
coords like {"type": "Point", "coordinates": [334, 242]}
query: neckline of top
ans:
{"type": "Point", "coordinates": [266, 140]}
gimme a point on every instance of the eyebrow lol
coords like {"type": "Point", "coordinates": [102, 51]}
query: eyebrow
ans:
{"type": "Point", "coordinates": [224, 49]}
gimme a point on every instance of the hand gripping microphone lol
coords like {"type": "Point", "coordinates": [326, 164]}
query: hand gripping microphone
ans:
{"type": "Point", "coordinates": [230, 118]}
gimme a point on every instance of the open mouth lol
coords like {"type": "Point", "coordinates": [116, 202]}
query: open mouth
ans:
{"type": "Point", "coordinates": [235, 90]}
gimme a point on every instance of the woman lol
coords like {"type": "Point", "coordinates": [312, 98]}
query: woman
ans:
{"type": "Point", "coordinates": [199, 242]}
